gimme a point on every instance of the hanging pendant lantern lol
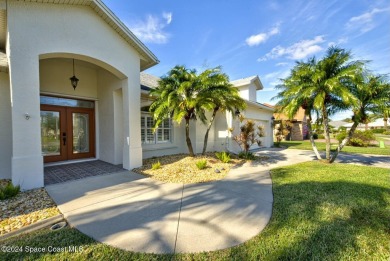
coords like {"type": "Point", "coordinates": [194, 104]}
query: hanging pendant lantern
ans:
{"type": "Point", "coordinates": [73, 80]}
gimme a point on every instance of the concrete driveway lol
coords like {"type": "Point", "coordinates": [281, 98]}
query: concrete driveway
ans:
{"type": "Point", "coordinates": [136, 213]}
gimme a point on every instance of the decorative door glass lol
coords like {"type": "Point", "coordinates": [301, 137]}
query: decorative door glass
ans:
{"type": "Point", "coordinates": [80, 132]}
{"type": "Point", "coordinates": [50, 133]}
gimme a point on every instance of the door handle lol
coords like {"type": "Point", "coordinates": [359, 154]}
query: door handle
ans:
{"type": "Point", "coordinates": [64, 138]}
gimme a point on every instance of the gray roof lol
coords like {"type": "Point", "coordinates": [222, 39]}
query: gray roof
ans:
{"type": "Point", "coordinates": [148, 80]}
{"type": "Point", "coordinates": [337, 124]}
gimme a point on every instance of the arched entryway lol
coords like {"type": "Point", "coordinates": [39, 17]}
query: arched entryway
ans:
{"type": "Point", "coordinates": [85, 122]}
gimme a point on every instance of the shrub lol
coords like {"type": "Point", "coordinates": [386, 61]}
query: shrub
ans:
{"type": "Point", "coordinates": [356, 142]}
{"type": "Point", "coordinates": [156, 165]}
{"type": "Point", "coordinates": [358, 139]}
{"type": "Point", "coordinates": [379, 131]}
{"type": "Point", "coordinates": [386, 133]}
{"type": "Point", "coordinates": [362, 138]}
{"type": "Point", "coordinates": [201, 164]}
{"type": "Point", "coordinates": [341, 136]}
{"type": "Point", "coordinates": [315, 136]}
{"type": "Point", "coordinates": [321, 136]}
{"type": "Point", "coordinates": [246, 155]}
{"type": "Point", "coordinates": [342, 129]}
{"type": "Point", "coordinates": [223, 156]}
{"type": "Point", "coordinates": [9, 191]}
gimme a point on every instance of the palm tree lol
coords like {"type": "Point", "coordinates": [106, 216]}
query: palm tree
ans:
{"type": "Point", "coordinates": [217, 94]}
{"type": "Point", "coordinates": [177, 96]}
{"type": "Point", "coordinates": [381, 108]}
{"type": "Point", "coordinates": [373, 95]}
{"type": "Point", "coordinates": [294, 95]}
{"type": "Point", "coordinates": [321, 86]}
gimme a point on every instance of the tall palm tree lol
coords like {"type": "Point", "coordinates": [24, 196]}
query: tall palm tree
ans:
{"type": "Point", "coordinates": [293, 95]}
{"type": "Point", "coordinates": [217, 94]}
{"type": "Point", "coordinates": [321, 86]}
{"type": "Point", "coordinates": [177, 96]}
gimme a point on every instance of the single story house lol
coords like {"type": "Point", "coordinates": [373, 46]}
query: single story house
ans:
{"type": "Point", "coordinates": [70, 90]}
{"type": "Point", "coordinates": [377, 124]}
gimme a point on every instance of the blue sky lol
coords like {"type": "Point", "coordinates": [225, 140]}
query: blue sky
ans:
{"type": "Point", "coordinates": [262, 38]}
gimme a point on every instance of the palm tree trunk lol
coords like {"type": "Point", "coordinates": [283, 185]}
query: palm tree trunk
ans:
{"type": "Point", "coordinates": [344, 142]}
{"type": "Point", "coordinates": [313, 144]}
{"type": "Point", "coordinates": [385, 122]}
{"type": "Point", "coordinates": [366, 127]}
{"type": "Point", "coordinates": [206, 136]}
{"type": "Point", "coordinates": [326, 132]}
{"type": "Point", "coordinates": [188, 140]}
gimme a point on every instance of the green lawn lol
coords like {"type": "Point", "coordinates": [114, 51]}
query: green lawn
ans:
{"type": "Point", "coordinates": [306, 145]}
{"type": "Point", "coordinates": [321, 212]}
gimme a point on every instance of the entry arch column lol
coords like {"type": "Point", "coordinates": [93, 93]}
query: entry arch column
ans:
{"type": "Point", "coordinates": [27, 160]}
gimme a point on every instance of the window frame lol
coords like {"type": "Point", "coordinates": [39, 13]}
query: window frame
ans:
{"type": "Point", "coordinates": [145, 127]}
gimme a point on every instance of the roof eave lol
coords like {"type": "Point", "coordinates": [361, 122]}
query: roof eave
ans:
{"type": "Point", "coordinates": [148, 56]}
{"type": "Point", "coordinates": [259, 105]}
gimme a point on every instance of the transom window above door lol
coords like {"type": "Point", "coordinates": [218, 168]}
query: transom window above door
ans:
{"type": "Point", "coordinates": [67, 102]}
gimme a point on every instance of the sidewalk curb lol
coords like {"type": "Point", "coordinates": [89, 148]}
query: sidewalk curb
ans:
{"type": "Point", "coordinates": [35, 226]}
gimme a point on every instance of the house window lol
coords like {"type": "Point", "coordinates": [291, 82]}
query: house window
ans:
{"type": "Point", "coordinates": [162, 135]}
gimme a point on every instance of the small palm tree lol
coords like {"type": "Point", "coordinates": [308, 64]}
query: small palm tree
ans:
{"type": "Point", "coordinates": [321, 86]}
{"type": "Point", "coordinates": [373, 95]}
{"type": "Point", "coordinates": [177, 96]}
{"type": "Point", "coordinates": [217, 94]}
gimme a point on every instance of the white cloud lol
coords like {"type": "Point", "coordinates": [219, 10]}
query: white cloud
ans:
{"type": "Point", "coordinates": [365, 21]}
{"type": "Point", "coordinates": [342, 40]}
{"type": "Point", "coordinates": [282, 64]}
{"type": "Point", "coordinates": [168, 17]}
{"type": "Point", "coordinates": [257, 39]}
{"type": "Point", "coordinates": [297, 51]}
{"type": "Point", "coordinates": [272, 79]}
{"type": "Point", "coordinates": [152, 30]}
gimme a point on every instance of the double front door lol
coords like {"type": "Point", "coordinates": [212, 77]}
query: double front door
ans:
{"type": "Point", "coordinates": [67, 133]}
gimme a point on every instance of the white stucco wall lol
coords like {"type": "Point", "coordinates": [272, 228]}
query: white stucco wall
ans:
{"type": "Point", "coordinates": [221, 126]}
{"type": "Point", "coordinates": [39, 30]}
{"type": "Point", "coordinates": [178, 144]}
{"type": "Point", "coordinates": [248, 92]}
{"type": "Point", "coordinates": [5, 127]}
{"type": "Point", "coordinates": [200, 131]}
{"type": "Point", "coordinates": [261, 117]}
{"type": "Point", "coordinates": [111, 124]}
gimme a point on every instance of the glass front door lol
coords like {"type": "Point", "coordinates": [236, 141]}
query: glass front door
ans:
{"type": "Point", "coordinates": [67, 133]}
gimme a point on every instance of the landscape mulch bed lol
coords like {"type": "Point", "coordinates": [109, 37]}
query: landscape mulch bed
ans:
{"type": "Point", "coordinates": [181, 168]}
{"type": "Point", "coordinates": [24, 209]}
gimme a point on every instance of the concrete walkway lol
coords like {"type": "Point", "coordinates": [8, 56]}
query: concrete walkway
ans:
{"type": "Point", "coordinates": [132, 212]}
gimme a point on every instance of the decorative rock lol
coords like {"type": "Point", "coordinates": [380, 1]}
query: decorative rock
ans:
{"type": "Point", "coordinates": [217, 171]}
{"type": "Point", "coordinates": [223, 169]}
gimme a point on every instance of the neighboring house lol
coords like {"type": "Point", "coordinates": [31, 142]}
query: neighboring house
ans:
{"type": "Point", "coordinates": [337, 124]}
{"type": "Point", "coordinates": [42, 118]}
{"type": "Point", "coordinates": [299, 129]}
{"type": "Point", "coordinates": [377, 124]}
{"type": "Point", "coordinates": [170, 137]}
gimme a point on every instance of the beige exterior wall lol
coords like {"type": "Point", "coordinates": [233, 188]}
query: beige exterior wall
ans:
{"type": "Point", "coordinates": [5, 127]}
{"type": "Point", "coordinates": [54, 77]}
